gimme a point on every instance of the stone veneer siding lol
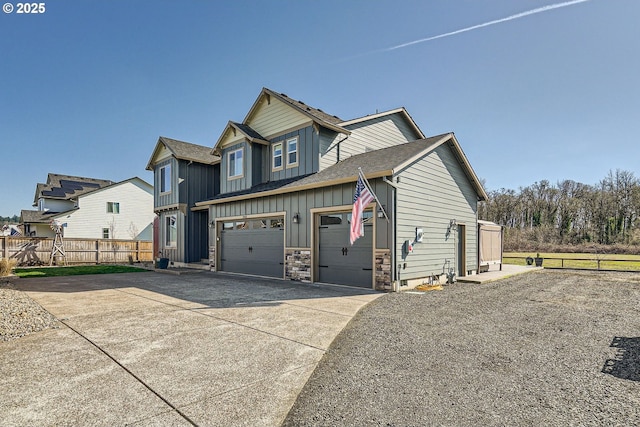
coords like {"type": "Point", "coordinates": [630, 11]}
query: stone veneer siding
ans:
{"type": "Point", "coordinates": [298, 264]}
{"type": "Point", "coordinates": [212, 258]}
{"type": "Point", "coordinates": [383, 270]}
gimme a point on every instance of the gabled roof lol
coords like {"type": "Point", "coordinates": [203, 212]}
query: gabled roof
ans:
{"type": "Point", "coordinates": [183, 151]}
{"type": "Point", "coordinates": [250, 134]}
{"type": "Point", "coordinates": [315, 114]}
{"type": "Point", "coordinates": [146, 186]}
{"type": "Point", "coordinates": [36, 217]}
{"type": "Point", "coordinates": [402, 111]}
{"type": "Point", "coordinates": [375, 164]}
{"type": "Point", "coordinates": [67, 187]}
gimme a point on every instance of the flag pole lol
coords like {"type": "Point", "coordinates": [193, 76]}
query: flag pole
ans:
{"type": "Point", "coordinates": [361, 174]}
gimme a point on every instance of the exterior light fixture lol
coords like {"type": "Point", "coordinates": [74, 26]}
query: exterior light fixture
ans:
{"type": "Point", "coordinates": [296, 218]}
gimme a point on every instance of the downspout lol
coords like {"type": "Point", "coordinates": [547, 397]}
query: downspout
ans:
{"type": "Point", "coordinates": [337, 144]}
{"type": "Point", "coordinates": [395, 280]}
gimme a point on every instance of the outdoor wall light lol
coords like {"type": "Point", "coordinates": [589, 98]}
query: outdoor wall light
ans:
{"type": "Point", "coordinates": [381, 211]}
{"type": "Point", "coordinates": [296, 218]}
{"type": "Point", "coordinates": [211, 223]}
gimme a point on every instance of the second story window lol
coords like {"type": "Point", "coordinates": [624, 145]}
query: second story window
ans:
{"type": "Point", "coordinates": [235, 163]}
{"type": "Point", "coordinates": [292, 152]}
{"type": "Point", "coordinates": [113, 207]}
{"type": "Point", "coordinates": [277, 156]}
{"type": "Point", "coordinates": [165, 179]}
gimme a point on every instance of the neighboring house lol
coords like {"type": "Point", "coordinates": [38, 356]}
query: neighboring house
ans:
{"type": "Point", "coordinates": [287, 177]}
{"type": "Point", "coordinates": [92, 208]}
{"type": "Point", "coordinates": [184, 174]}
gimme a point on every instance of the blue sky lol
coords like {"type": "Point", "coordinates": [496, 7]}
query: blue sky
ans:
{"type": "Point", "coordinates": [89, 86]}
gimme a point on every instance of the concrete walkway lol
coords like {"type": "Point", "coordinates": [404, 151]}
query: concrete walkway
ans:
{"type": "Point", "coordinates": [147, 349]}
{"type": "Point", "coordinates": [494, 274]}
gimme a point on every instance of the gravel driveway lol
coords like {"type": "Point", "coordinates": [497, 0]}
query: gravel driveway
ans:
{"type": "Point", "coordinates": [549, 348]}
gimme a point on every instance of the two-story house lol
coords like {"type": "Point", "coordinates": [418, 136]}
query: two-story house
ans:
{"type": "Point", "coordinates": [184, 174]}
{"type": "Point", "coordinates": [287, 174]}
{"type": "Point", "coordinates": [91, 208]}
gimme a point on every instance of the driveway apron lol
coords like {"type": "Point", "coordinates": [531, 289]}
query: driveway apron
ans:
{"type": "Point", "coordinates": [146, 349]}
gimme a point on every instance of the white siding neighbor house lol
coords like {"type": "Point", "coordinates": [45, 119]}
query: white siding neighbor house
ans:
{"type": "Point", "coordinates": [120, 211]}
{"type": "Point", "coordinates": [93, 209]}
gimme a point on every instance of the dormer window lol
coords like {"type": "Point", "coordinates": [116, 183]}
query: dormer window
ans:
{"type": "Point", "coordinates": [277, 156]}
{"type": "Point", "coordinates": [234, 160]}
{"type": "Point", "coordinates": [292, 152]}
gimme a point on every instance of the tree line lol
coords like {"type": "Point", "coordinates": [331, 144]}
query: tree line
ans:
{"type": "Point", "coordinates": [9, 219]}
{"type": "Point", "coordinates": [569, 213]}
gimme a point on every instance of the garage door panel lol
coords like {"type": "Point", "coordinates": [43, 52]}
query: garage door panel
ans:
{"type": "Point", "coordinates": [253, 251]}
{"type": "Point", "coordinates": [340, 262]}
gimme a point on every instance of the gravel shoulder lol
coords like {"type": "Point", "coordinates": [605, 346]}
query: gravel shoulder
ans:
{"type": "Point", "coordinates": [546, 348]}
{"type": "Point", "coordinates": [19, 314]}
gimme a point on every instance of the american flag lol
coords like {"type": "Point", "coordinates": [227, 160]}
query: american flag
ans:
{"type": "Point", "coordinates": [361, 199]}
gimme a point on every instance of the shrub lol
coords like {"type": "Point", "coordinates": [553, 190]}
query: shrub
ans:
{"type": "Point", "coordinates": [7, 266]}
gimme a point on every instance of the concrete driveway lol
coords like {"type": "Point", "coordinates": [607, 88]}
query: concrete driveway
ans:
{"type": "Point", "coordinates": [147, 349]}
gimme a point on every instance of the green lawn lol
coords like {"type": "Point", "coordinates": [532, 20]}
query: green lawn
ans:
{"type": "Point", "coordinates": [76, 270]}
{"type": "Point", "coordinates": [578, 260]}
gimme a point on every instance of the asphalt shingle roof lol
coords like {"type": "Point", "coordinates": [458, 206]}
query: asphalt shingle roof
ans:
{"type": "Point", "coordinates": [188, 151]}
{"type": "Point", "coordinates": [383, 160]}
{"type": "Point", "coordinates": [29, 216]}
{"type": "Point", "coordinates": [248, 130]}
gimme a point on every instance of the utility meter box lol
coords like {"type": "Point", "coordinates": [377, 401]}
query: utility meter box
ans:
{"type": "Point", "coordinates": [407, 247]}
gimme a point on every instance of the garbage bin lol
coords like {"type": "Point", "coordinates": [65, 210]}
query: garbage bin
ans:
{"type": "Point", "coordinates": [162, 263]}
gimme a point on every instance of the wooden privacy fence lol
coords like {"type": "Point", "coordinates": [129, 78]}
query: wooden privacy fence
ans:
{"type": "Point", "coordinates": [37, 250]}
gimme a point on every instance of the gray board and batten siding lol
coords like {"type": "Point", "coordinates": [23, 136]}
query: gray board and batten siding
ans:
{"type": "Point", "coordinates": [302, 202]}
{"type": "Point", "coordinates": [191, 182]}
{"type": "Point", "coordinates": [308, 159]}
{"type": "Point", "coordinates": [257, 160]}
{"type": "Point", "coordinates": [174, 253]}
{"type": "Point", "coordinates": [169, 198]}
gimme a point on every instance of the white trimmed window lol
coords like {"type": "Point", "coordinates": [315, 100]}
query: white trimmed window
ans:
{"type": "Point", "coordinates": [165, 179]}
{"type": "Point", "coordinates": [277, 156]}
{"type": "Point", "coordinates": [113, 207]}
{"type": "Point", "coordinates": [105, 233]}
{"type": "Point", "coordinates": [171, 231]}
{"type": "Point", "coordinates": [234, 160]}
{"type": "Point", "coordinates": [292, 152]}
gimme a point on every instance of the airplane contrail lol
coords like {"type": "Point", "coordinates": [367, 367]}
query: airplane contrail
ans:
{"type": "Point", "coordinates": [486, 24]}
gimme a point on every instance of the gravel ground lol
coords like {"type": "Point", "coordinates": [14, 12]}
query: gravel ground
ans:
{"type": "Point", "coordinates": [553, 348]}
{"type": "Point", "coordinates": [19, 314]}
